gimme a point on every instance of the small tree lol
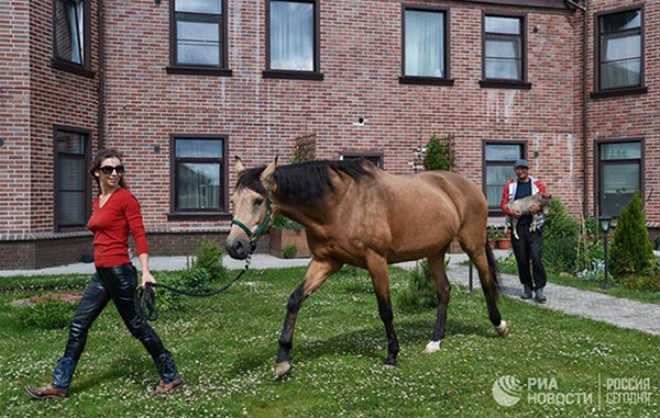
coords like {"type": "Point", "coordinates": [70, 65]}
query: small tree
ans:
{"type": "Point", "coordinates": [439, 153]}
{"type": "Point", "coordinates": [631, 250]}
{"type": "Point", "coordinates": [560, 239]}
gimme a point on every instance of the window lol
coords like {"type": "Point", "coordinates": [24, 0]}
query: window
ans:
{"type": "Point", "coordinates": [499, 158]}
{"type": "Point", "coordinates": [375, 157]}
{"type": "Point", "coordinates": [71, 36]}
{"type": "Point", "coordinates": [72, 182]}
{"type": "Point", "coordinates": [425, 46]}
{"type": "Point", "coordinates": [619, 51]}
{"type": "Point", "coordinates": [504, 52]}
{"type": "Point", "coordinates": [199, 175]}
{"type": "Point", "coordinates": [199, 37]}
{"type": "Point", "coordinates": [619, 173]}
{"type": "Point", "coordinates": [292, 38]}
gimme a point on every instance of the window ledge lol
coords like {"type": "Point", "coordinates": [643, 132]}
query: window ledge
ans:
{"type": "Point", "coordinates": [71, 67]}
{"type": "Point", "coordinates": [618, 92]}
{"type": "Point", "coordinates": [505, 84]}
{"type": "Point", "coordinates": [219, 72]}
{"type": "Point", "coordinates": [198, 216]}
{"type": "Point", "coordinates": [293, 75]}
{"type": "Point", "coordinates": [436, 81]}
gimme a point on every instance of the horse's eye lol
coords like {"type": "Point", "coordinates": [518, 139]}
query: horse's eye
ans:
{"type": "Point", "coordinates": [258, 202]}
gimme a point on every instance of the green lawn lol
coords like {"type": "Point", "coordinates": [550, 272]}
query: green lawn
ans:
{"type": "Point", "coordinates": [225, 347]}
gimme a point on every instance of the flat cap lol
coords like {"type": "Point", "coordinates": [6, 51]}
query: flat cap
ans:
{"type": "Point", "coordinates": [521, 163]}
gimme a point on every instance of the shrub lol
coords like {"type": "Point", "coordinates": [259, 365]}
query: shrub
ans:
{"type": "Point", "coordinates": [209, 258]}
{"type": "Point", "coordinates": [289, 251]}
{"type": "Point", "coordinates": [420, 293]}
{"type": "Point", "coordinates": [47, 314]}
{"type": "Point", "coordinates": [631, 250]}
{"type": "Point", "coordinates": [647, 283]}
{"type": "Point", "coordinates": [438, 153]}
{"type": "Point", "coordinates": [560, 239]}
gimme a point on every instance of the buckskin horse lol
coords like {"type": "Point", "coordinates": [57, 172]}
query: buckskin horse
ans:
{"type": "Point", "coordinates": [358, 214]}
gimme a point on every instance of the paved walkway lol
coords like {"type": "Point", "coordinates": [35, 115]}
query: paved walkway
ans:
{"type": "Point", "coordinates": [621, 312]}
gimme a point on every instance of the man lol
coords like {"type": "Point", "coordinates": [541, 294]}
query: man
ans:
{"type": "Point", "coordinates": [528, 245]}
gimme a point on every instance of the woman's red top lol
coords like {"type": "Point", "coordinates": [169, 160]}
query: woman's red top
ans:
{"type": "Point", "coordinates": [111, 224]}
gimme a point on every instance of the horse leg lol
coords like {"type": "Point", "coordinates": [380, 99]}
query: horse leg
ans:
{"type": "Point", "coordinates": [484, 261]}
{"type": "Point", "coordinates": [380, 279]}
{"type": "Point", "coordinates": [443, 289]}
{"type": "Point", "coordinates": [317, 273]}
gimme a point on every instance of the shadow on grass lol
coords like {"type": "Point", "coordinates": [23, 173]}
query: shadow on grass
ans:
{"type": "Point", "coordinates": [367, 342]}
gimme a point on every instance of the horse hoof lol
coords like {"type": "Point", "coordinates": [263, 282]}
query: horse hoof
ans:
{"type": "Point", "coordinates": [282, 369]}
{"type": "Point", "coordinates": [433, 346]}
{"type": "Point", "coordinates": [502, 329]}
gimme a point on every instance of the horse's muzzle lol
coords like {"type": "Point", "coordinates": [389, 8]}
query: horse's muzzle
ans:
{"type": "Point", "coordinates": [238, 248]}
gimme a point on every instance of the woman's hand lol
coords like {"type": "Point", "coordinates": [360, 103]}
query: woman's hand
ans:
{"type": "Point", "coordinates": [147, 278]}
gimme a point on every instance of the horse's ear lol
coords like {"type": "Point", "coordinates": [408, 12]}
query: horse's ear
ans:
{"type": "Point", "coordinates": [238, 165]}
{"type": "Point", "coordinates": [267, 175]}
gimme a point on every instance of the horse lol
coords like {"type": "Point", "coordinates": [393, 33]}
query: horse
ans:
{"type": "Point", "coordinates": [357, 214]}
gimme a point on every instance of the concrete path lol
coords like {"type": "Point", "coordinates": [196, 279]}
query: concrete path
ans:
{"type": "Point", "coordinates": [621, 312]}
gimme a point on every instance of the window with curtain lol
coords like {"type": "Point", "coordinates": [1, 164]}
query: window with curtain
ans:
{"type": "Point", "coordinates": [504, 45]}
{"type": "Point", "coordinates": [199, 33]}
{"type": "Point", "coordinates": [199, 174]}
{"type": "Point", "coordinates": [499, 159]}
{"type": "Point", "coordinates": [72, 192]}
{"type": "Point", "coordinates": [70, 33]}
{"type": "Point", "coordinates": [424, 43]}
{"type": "Point", "coordinates": [374, 157]}
{"type": "Point", "coordinates": [292, 39]}
{"type": "Point", "coordinates": [620, 170]}
{"type": "Point", "coordinates": [620, 50]}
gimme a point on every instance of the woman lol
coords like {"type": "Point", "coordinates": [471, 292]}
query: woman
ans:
{"type": "Point", "coordinates": [116, 212]}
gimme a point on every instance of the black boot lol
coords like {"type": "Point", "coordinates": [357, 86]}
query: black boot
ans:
{"type": "Point", "coordinates": [169, 376]}
{"type": "Point", "coordinates": [527, 293]}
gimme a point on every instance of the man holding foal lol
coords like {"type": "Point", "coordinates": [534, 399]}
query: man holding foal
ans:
{"type": "Point", "coordinates": [527, 247]}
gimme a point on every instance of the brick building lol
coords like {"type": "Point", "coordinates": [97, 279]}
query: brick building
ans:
{"type": "Point", "coordinates": [181, 85]}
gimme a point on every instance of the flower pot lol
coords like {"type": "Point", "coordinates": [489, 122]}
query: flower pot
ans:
{"type": "Point", "coordinates": [281, 241]}
{"type": "Point", "coordinates": [504, 243]}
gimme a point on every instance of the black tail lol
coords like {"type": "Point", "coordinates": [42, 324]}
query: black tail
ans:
{"type": "Point", "coordinates": [492, 265]}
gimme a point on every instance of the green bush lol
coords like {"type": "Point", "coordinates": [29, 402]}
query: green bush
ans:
{"type": "Point", "coordinates": [47, 314]}
{"type": "Point", "coordinates": [646, 283]}
{"type": "Point", "coordinates": [631, 249]}
{"type": "Point", "coordinates": [209, 258]}
{"type": "Point", "coordinates": [438, 154]}
{"type": "Point", "coordinates": [282, 222]}
{"type": "Point", "coordinates": [590, 245]}
{"type": "Point", "coordinates": [420, 293]}
{"type": "Point", "coordinates": [289, 251]}
{"type": "Point", "coordinates": [560, 239]}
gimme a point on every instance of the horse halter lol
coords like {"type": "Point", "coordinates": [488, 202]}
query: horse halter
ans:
{"type": "Point", "coordinates": [254, 236]}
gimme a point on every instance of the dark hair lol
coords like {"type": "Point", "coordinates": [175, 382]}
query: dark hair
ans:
{"type": "Point", "coordinates": [101, 155]}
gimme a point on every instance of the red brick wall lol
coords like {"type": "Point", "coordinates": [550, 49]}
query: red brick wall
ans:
{"type": "Point", "coordinates": [14, 116]}
{"type": "Point", "coordinates": [57, 97]}
{"type": "Point", "coordinates": [630, 116]}
{"type": "Point", "coordinates": [361, 61]}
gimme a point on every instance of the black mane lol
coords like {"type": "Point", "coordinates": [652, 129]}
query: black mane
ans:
{"type": "Point", "coordinates": [304, 181]}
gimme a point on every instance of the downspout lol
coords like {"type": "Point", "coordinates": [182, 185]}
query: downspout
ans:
{"type": "Point", "coordinates": [585, 114]}
{"type": "Point", "coordinates": [585, 97]}
{"type": "Point", "coordinates": [101, 110]}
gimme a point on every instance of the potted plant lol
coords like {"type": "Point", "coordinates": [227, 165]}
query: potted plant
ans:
{"type": "Point", "coordinates": [503, 240]}
{"type": "Point", "coordinates": [288, 238]}
{"type": "Point", "coordinates": [491, 237]}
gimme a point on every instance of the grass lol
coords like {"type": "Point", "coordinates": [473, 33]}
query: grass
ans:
{"type": "Point", "coordinates": [616, 288]}
{"type": "Point", "coordinates": [225, 347]}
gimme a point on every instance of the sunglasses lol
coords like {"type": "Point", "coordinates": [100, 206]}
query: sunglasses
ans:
{"type": "Point", "coordinates": [108, 169]}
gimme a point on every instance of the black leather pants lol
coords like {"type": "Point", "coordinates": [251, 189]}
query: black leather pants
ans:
{"type": "Point", "coordinates": [116, 284]}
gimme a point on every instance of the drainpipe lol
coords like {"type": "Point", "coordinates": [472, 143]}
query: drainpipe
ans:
{"type": "Point", "coordinates": [585, 114]}
{"type": "Point", "coordinates": [585, 97]}
{"type": "Point", "coordinates": [101, 110]}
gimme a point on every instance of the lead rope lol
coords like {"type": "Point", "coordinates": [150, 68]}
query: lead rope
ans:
{"type": "Point", "coordinates": [144, 300]}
